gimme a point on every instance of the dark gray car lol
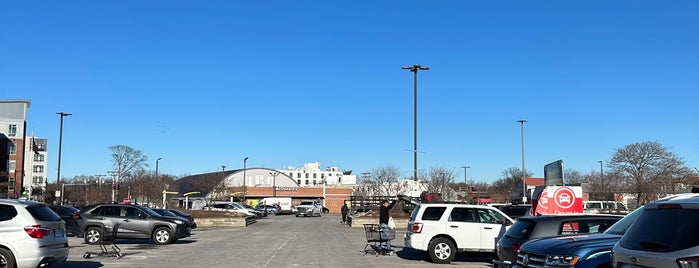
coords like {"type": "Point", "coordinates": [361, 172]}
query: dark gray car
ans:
{"type": "Point", "coordinates": [135, 222]}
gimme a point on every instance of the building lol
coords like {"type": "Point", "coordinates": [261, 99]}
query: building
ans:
{"type": "Point", "coordinates": [13, 125]}
{"type": "Point", "coordinates": [330, 186]}
{"type": "Point", "coordinates": [36, 161]}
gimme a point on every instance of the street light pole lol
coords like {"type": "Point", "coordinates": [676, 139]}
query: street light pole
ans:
{"type": "Point", "coordinates": [415, 68]}
{"type": "Point", "coordinates": [60, 144]}
{"type": "Point", "coordinates": [245, 163]}
{"type": "Point", "coordinates": [156, 167]}
{"type": "Point", "coordinates": [466, 179]}
{"type": "Point", "coordinates": [524, 173]}
{"type": "Point", "coordinates": [601, 172]}
{"type": "Point", "coordinates": [274, 183]}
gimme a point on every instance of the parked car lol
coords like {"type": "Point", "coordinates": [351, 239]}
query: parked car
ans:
{"type": "Point", "coordinates": [664, 235]}
{"type": "Point", "coordinates": [531, 227]}
{"type": "Point", "coordinates": [582, 251]}
{"type": "Point", "coordinates": [189, 217]}
{"type": "Point", "coordinates": [70, 215]}
{"type": "Point", "coordinates": [309, 208]}
{"type": "Point", "coordinates": [609, 207]}
{"type": "Point", "coordinates": [31, 235]}
{"type": "Point", "coordinates": [260, 212]}
{"type": "Point", "coordinates": [135, 222]}
{"type": "Point", "coordinates": [232, 207]}
{"type": "Point", "coordinates": [515, 211]}
{"type": "Point", "coordinates": [168, 213]}
{"type": "Point", "coordinates": [442, 230]}
{"type": "Point", "coordinates": [269, 208]}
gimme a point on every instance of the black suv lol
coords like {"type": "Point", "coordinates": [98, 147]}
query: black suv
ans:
{"type": "Point", "coordinates": [134, 222]}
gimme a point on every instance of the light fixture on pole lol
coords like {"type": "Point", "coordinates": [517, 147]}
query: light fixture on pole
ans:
{"type": "Point", "coordinates": [60, 144]}
{"type": "Point", "coordinates": [245, 161]}
{"type": "Point", "coordinates": [415, 68]}
{"type": "Point", "coordinates": [524, 173]}
{"type": "Point", "coordinates": [601, 172]}
{"type": "Point", "coordinates": [274, 183]}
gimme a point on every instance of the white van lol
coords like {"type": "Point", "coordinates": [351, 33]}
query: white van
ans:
{"type": "Point", "coordinates": [605, 207]}
{"type": "Point", "coordinates": [284, 203]}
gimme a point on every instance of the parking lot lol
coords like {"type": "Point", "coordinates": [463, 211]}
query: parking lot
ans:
{"type": "Point", "coordinates": [276, 241]}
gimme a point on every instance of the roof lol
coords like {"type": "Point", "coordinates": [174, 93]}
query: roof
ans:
{"type": "Point", "coordinates": [534, 181]}
{"type": "Point", "coordinates": [203, 183]}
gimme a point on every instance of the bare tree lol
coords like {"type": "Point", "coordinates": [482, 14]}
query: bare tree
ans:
{"type": "Point", "coordinates": [653, 170]}
{"type": "Point", "coordinates": [573, 176]}
{"type": "Point", "coordinates": [384, 181]}
{"type": "Point", "coordinates": [126, 159]}
{"type": "Point", "coordinates": [440, 181]}
{"type": "Point", "coordinates": [507, 184]}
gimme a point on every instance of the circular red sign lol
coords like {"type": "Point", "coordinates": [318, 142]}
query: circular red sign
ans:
{"type": "Point", "coordinates": [564, 197]}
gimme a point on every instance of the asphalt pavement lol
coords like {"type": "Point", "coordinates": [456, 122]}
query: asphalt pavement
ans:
{"type": "Point", "coordinates": [276, 241]}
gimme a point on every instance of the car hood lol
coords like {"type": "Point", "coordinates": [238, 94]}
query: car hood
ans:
{"type": "Point", "coordinates": [568, 244]}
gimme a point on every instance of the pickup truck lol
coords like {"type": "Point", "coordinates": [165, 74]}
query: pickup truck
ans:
{"type": "Point", "coordinates": [309, 208]}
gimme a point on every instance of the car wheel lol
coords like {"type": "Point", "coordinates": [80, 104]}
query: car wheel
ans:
{"type": "Point", "coordinates": [442, 250]}
{"type": "Point", "coordinates": [93, 235]}
{"type": "Point", "coordinates": [6, 258]}
{"type": "Point", "coordinates": [162, 236]}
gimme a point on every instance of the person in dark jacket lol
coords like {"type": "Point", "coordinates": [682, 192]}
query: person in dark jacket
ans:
{"type": "Point", "coordinates": [384, 215]}
{"type": "Point", "coordinates": [344, 211]}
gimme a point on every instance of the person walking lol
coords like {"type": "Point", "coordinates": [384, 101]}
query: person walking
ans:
{"type": "Point", "coordinates": [344, 211]}
{"type": "Point", "coordinates": [384, 215]}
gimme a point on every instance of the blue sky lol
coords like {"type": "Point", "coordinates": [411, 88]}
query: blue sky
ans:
{"type": "Point", "coordinates": [206, 83]}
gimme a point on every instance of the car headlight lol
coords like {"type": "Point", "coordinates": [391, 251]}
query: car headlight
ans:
{"type": "Point", "coordinates": [178, 221]}
{"type": "Point", "coordinates": [562, 260]}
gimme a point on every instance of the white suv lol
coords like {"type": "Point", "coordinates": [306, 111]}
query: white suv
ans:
{"type": "Point", "coordinates": [442, 230]}
{"type": "Point", "coordinates": [31, 234]}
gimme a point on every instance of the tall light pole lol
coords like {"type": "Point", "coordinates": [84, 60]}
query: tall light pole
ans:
{"type": "Point", "coordinates": [60, 144]}
{"type": "Point", "coordinates": [466, 178]}
{"type": "Point", "coordinates": [245, 163]}
{"type": "Point", "coordinates": [601, 172]}
{"type": "Point", "coordinates": [524, 173]}
{"type": "Point", "coordinates": [274, 183]}
{"type": "Point", "coordinates": [415, 68]}
{"type": "Point", "coordinates": [156, 167]}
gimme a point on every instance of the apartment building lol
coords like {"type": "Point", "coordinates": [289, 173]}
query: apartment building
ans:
{"type": "Point", "coordinates": [13, 124]}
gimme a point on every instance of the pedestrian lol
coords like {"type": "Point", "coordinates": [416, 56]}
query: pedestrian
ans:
{"type": "Point", "coordinates": [384, 215]}
{"type": "Point", "coordinates": [344, 211]}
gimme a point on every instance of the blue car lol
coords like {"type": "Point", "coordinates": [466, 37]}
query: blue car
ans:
{"type": "Point", "coordinates": [581, 251]}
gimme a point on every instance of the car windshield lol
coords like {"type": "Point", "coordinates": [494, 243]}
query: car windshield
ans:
{"type": "Point", "coordinates": [165, 212]}
{"type": "Point", "coordinates": [306, 203]}
{"type": "Point", "coordinates": [43, 213]}
{"type": "Point", "coordinates": [620, 227]}
{"type": "Point", "coordinates": [521, 229]}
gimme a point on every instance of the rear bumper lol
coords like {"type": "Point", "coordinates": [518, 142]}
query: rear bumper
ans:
{"type": "Point", "coordinates": [43, 256]}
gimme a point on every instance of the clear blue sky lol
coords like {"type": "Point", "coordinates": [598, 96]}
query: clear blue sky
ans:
{"type": "Point", "coordinates": [206, 83]}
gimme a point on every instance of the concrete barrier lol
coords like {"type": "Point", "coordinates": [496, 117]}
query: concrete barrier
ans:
{"type": "Point", "coordinates": [358, 222]}
{"type": "Point", "coordinates": [225, 222]}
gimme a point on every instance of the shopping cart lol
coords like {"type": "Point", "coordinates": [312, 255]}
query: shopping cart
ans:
{"type": "Point", "coordinates": [107, 243]}
{"type": "Point", "coordinates": [376, 240]}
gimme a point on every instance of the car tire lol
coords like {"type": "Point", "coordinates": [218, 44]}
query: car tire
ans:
{"type": "Point", "coordinates": [441, 250]}
{"type": "Point", "coordinates": [93, 235]}
{"type": "Point", "coordinates": [7, 258]}
{"type": "Point", "coordinates": [162, 236]}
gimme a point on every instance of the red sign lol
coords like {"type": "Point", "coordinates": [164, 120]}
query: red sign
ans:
{"type": "Point", "coordinates": [127, 201]}
{"type": "Point", "coordinates": [560, 200]}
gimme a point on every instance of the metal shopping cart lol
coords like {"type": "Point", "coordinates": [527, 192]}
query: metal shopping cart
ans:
{"type": "Point", "coordinates": [107, 243]}
{"type": "Point", "coordinates": [376, 240]}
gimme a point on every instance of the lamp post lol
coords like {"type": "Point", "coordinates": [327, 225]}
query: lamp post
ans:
{"type": "Point", "coordinates": [524, 173]}
{"type": "Point", "coordinates": [601, 172]}
{"type": "Point", "coordinates": [245, 163]}
{"type": "Point", "coordinates": [156, 167]}
{"type": "Point", "coordinates": [60, 144]}
{"type": "Point", "coordinates": [415, 68]}
{"type": "Point", "coordinates": [274, 183]}
{"type": "Point", "coordinates": [466, 179]}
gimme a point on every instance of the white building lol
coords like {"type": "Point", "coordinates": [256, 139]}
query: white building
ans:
{"type": "Point", "coordinates": [311, 175]}
{"type": "Point", "coordinates": [35, 158]}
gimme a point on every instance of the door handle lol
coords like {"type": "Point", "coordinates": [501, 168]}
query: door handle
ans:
{"type": "Point", "coordinates": [488, 228]}
{"type": "Point", "coordinates": [454, 226]}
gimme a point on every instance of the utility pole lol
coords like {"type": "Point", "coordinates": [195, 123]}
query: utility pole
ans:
{"type": "Point", "coordinates": [524, 173]}
{"type": "Point", "coordinates": [114, 184]}
{"type": "Point", "coordinates": [468, 189]}
{"type": "Point", "coordinates": [414, 69]}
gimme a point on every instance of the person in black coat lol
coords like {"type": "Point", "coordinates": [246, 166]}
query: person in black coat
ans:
{"type": "Point", "coordinates": [344, 211]}
{"type": "Point", "coordinates": [384, 215]}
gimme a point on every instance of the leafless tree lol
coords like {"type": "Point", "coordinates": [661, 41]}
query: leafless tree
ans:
{"type": "Point", "coordinates": [384, 181]}
{"type": "Point", "coordinates": [573, 176]}
{"type": "Point", "coordinates": [506, 185]}
{"type": "Point", "coordinates": [126, 160]}
{"type": "Point", "coordinates": [653, 170]}
{"type": "Point", "coordinates": [440, 181]}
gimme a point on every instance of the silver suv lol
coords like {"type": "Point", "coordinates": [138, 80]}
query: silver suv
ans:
{"type": "Point", "coordinates": [664, 235]}
{"type": "Point", "coordinates": [31, 234]}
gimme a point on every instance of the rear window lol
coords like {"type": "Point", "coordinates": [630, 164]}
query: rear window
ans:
{"type": "Point", "coordinates": [43, 213]}
{"type": "Point", "coordinates": [663, 230]}
{"type": "Point", "coordinates": [522, 229]}
{"type": "Point", "coordinates": [433, 213]}
{"type": "Point", "coordinates": [620, 227]}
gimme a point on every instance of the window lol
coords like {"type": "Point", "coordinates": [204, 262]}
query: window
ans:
{"type": "Point", "coordinates": [39, 157]}
{"type": "Point", "coordinates": [298, 175]}
{"type": "Point", "coordinates": [12, 131]}
{"type": "Point", "coordinates": [11, 181]}
{"type": "Point", "coordinates": [339, 180]}
{"type": "Point", "coordinates": [315, 175]}
{"type": "Point", "coordinates": [315, 182]}
{"type": "Point", "coordinates": [38, 168]}
{"type": "Point", "coordinates": [463, 215]}
{"type": "Point", "coordinates": [13, 148]}
{"type": "Point", "coordinates": [490, 216]}
{"type": "Point", "coordinates": [7, 212]}
{"type": "Point", "coordinates": [291, 174]}
{"type": "Point", "coordinates": [11, 166]}
{"type": "Point", "coordinates": [298, 181]}
{"type": "Point", "coordinates": [306, 175]}
{"type": "Point", "coordinates": [37, 180]}
{"type": "Point", "coordinates": [306, 182]}
{"type": "Point", "coordinates": [433, 213]}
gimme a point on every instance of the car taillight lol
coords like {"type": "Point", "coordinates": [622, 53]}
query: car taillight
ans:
{"type": "Point", "coordinates": [417, 228]}
{"type": "Point", "coordinates": [36, 231]}
{"type": "Point", "coordinates": [690, 262]}
{"type": "Point", "coordinates": [515, 247]}
{"type": "Point", "coordinates": [77, 217]}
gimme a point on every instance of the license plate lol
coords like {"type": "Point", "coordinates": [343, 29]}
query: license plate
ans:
{"type": "Point", "coordinates": [58, 233]}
